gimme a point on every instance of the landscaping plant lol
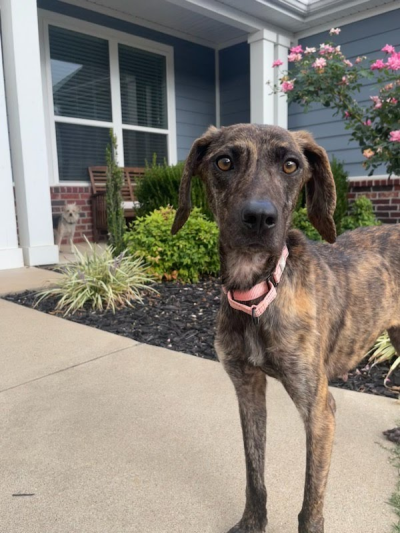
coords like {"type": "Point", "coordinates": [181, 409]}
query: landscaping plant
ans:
{"type": "Point", "coordinates": [101, 280]}
{"type": "Point", "coordinates": [342, 188]}
{"type": "Point", "coordinates": [324, 75]}
{"type": "Point", "coordinates": [160, 187]}
{"type": "Point", "coordinates": [191, 253]}
{"type": "Point", "coordinates": [361, 215]}
{"type": "Point", "coordinates": [115, 211]}
{"type": "Point", "coordinates": [384, 351]}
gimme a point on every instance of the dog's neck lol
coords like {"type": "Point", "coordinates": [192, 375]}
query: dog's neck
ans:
{"type": "Point", "coordinates": [242, 271]}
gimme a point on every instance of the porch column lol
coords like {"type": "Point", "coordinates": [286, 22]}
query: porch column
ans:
{"type": "Point", "coordinates": [265, 107]}
{"type": "Point", "coordinates": [10, 254]}
{"type": "Point", "coordinates": [19, 28]}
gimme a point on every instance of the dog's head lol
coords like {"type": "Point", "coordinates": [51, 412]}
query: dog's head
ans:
{"type": "Point", "coordinates": [71, 213]}
{"type": "Point", "coordinates": [253, 175]}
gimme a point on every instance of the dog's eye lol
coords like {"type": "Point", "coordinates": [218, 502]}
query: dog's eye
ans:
{"type": "Point", "coordinates": [290, 166]}
{"type": "Point", "coordinates": [224, 163]}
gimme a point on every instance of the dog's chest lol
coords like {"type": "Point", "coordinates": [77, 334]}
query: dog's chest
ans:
{"type": "Point", "coordinates": [267, 345]}
{"type": "Point", "coordinates": [68, 229]}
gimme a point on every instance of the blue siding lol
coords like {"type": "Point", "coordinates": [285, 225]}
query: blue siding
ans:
{"type": "Point", "coordinates": [194, 72]}
{"type": "Point", "coordinates": [366, 37]}
{"type": "Point", "coordinates": [234, 84]}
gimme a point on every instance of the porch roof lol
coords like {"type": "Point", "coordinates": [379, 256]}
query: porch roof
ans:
{"type": "Point", "coordinates": [220, 23]}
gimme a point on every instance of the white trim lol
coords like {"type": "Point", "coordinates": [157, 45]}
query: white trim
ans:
{"type": "Point", "coordinates": [110, 12]}
{"type": "Point", "coordinates": [116, 109]}
{"type": "Point", "coordinates": [217, 92]}
{"type": "Point", "coordinates": [171, 111]}
{"type": "Point", "coordinates": [83, 121]}
{"type": "Point", "coordinates": [231, 16]}
{"type": "Point", "coordinates": [114, 38]}
{"type": "Point", "coordinates": [379, 177]}
{"type": "Point", "coordinates": [346, 19]}
{"type": "Point", "coordinates": [72, 184]}
{"type": "Point", "coordinates": [145, 129]}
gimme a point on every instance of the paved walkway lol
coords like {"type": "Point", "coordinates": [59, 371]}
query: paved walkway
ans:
{"type": "Point", "coordinates": [105, 435]}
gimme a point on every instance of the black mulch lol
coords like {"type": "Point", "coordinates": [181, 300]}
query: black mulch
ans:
{"type": "Point", "coordinates": [182, 317]}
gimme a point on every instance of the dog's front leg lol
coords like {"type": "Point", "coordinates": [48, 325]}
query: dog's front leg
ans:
{"type": "Point", "coordinates": [320, 427]}
{"type": "Point", "coordinates": [250, 386]}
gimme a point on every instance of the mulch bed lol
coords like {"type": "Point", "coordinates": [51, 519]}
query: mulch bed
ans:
{"type": "Point", "coordinates": [182, 317]}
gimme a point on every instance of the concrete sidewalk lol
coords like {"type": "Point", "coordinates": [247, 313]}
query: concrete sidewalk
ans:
{"type": "Point", "coordinates": [111, 436]}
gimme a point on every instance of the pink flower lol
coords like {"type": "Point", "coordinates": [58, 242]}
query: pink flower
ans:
{"type": "Point", "coordinates": [335, 31]}
{"type": "Point", "coordinates": [359, 59]}
{"type": "Point", "coordinates": [294, 57]}
{"type": "Point", "coordinates": [345, 81]}
{"type": "Point", "coordinates": [310, 50]}
{"type": "Point", "coordinates": [377, 101]}
{"type": "Point", "coordinates": [348, 63]}
{"type": "Point", "coordinates": [367, 122]}
{"type": "Point", "coordinates": [347, 114]}
{"type": "Point", "coordinates": [277, 63]}
{"type": "Point", "coordinates": [368, 153]}
{"type": "Point", "coordinates": [319, 63]}
{"type": "Point", "coordinates": [297, 49]}
{"type": "Point", "coordinates": [389, 49]}
{"type": "Point", "coordinates": [394, 61]}
{"type": "Point", "coordinates": [388, 87]}
{"type": "Point", "coordinates": [395, 136]}
{"type": "Point", "coordinates": [378, 65]}
{"type": "Point", "coordinates": [288, 86]}
{"type": "Point", "coordinates": [326, 49]}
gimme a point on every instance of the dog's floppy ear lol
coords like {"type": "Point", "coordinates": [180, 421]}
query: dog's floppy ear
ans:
{"type": "Point", "coordinates": [197, 151]}
{"type": "Point", "coordinates": [320, 187]}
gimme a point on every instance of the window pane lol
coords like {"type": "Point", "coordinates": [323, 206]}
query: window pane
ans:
{"type": "Point", "coordinates": [80, 74]}
{"type": "Point", "coordinates": [143, 88]}
{"type": "Point", "coordinates": [80, 147]}
{"type": "Point", "coordinates": [140, 147]}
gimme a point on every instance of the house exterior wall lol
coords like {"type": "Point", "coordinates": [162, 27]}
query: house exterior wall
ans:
{"type": "Point", "coordinates": [194, 71]}
{"type": "Point", "coordinates": [234, 83]}
{"type": "Point", "coordinates": [365, 37]}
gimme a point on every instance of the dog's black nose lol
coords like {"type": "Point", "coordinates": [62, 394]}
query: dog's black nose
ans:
{"type": "Point", "coordinates": [258, 215]}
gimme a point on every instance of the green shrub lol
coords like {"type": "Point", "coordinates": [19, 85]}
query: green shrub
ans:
{"type": "Point", "coordinates": [186, 256]}
{"type": "Point", "coordinates": [342, 189]}
{"type": "Point", "coordinates": [361, 214]}
{"type": "Point", "coordinates": [301, 222]}
{"type": "Point", "coordinates": [160, 187]}
{"type": "Point", "coordinates": [300, 219]}
{"type": "Point", "coordinates": [100, 280]}
{"type": "Point", "coordinates": [115, 212]}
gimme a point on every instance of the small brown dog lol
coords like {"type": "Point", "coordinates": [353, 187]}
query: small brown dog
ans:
{"type": "Point", "coordinates": [67, 223]}
{"type": "Point", "coordinates": [303, 323]}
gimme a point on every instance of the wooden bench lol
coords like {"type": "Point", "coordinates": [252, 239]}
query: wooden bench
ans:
{"type": "Point", "coordinates": [98, 180]}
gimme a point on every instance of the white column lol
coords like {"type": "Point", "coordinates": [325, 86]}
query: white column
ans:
{"type": "Point", "coordinates": [20, 38]}
{"type": "Point", "coordinates": [10, 254]}
{"type": "Point", "coordinates": [265, 107]}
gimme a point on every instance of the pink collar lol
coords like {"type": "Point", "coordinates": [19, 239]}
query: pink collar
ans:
{"type": "Point", "coordinates": [265, 287]}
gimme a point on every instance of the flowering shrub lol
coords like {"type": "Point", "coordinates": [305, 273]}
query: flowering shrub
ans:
{"type": "Point", "coordinates": [324, 75]}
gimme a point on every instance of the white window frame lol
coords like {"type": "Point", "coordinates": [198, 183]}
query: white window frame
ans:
{"type": "Point", "coordinates": [114, 38]}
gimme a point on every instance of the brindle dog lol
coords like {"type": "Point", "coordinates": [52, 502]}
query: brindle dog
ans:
{"type": "Point", "coordinates": [332, 303]}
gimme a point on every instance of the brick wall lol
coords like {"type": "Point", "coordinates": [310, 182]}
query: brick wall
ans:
{"type": "Point", "coordinates": [384, 195]}
{"type": "Point", "coordinates": [62, 195]}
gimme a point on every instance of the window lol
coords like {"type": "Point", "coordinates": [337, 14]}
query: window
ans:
{"type": "Point", "coordinates": [101, 83]}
